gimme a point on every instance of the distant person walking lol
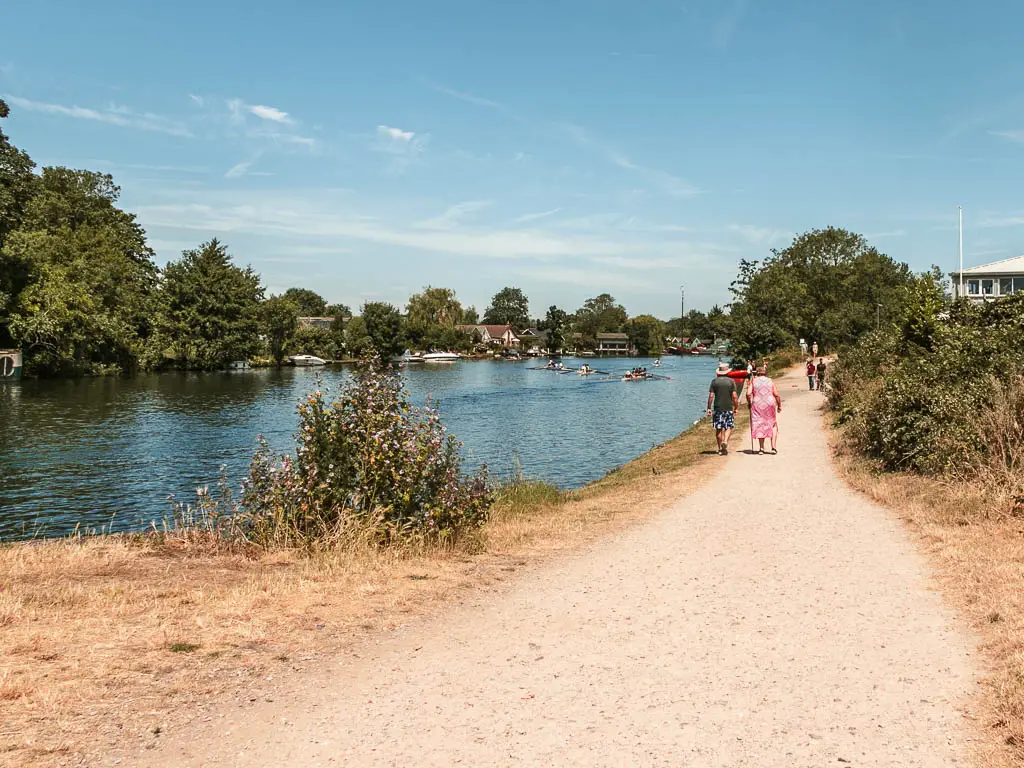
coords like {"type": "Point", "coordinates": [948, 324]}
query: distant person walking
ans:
{"type": "Point", "coordinates": [765, 404]}
{"type": "Point", "coordinates": [812, 371]}
{"type": "Point", "coordinates": [722, 403]}
{"type": "Point", "coordinates": [820, 371]}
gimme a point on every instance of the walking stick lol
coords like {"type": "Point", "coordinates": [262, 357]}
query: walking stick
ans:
{"type": "Point", "coordinates": [750, 409]}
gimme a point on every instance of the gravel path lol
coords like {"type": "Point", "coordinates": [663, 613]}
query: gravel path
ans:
{"type": "Point", "coordinates": [770, 618]}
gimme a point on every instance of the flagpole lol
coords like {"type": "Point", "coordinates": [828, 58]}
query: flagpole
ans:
{"type": "Point", "coordinates": [960, 211]}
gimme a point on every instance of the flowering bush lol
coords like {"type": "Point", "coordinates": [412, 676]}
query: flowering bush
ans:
{"type": "Point", "coordinates": [368, 460]}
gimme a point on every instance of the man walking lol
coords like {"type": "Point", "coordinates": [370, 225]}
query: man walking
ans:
{"type": "Point", "coordinates": [722, 403]}
{"type": "Point", "coordinates": [821, 372]}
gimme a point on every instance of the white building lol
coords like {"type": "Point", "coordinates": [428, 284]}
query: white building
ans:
{"type": "Point", "coordinates": [991, 281]}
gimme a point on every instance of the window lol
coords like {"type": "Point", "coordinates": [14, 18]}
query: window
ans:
{"type": "Point", "coordinates": [972, 287]}
{"type": "Point", "coordinates": [1018, 284]}
{"type": "Point", "coordinates": [1005, 286]}
{"type": "Point", "coordinates": [987, 287]}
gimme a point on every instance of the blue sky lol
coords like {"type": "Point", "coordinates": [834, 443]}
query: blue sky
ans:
{"type": "Point", "coordinates": [569, 147]}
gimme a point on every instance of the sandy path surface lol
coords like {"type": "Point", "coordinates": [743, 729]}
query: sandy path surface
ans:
{"type": "Point", "coordinates": [771, 618]}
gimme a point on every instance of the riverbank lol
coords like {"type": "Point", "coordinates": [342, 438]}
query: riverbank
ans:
{"type": "Point", "coordinates": [771, 614]}
{"type": "Point", "coordinates": [974, 538]}
{"type": "Point", "coordinates": [113, 638]}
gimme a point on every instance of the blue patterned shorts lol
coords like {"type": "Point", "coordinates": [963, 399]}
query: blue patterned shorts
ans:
{"type": "Point", "coordinates": [724, 419]}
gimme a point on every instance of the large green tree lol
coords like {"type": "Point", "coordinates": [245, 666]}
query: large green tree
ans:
{"type": "Point", "coordinates": [509, 306]}
{"type": "Point", "coordinates": [310, 303]}
{"type": "Point", "coordinates": [279, 319]}
{"type": "Point", "coordinates": [384, 327]}
{"type": "Point", "coordinates": [555, 323]}
{"type": "Point", "coordinates": [646, 334]}
{"type": "Point", "coordinates": [601, 314]}
{"type": "Point", "coordinates": [210, 309]}
{"type": "Point", "coordinates": [81, 279]}
{"type": "Point", "coordinates": [357, 339]}
{"type": "Point", "coordinates": [17, 182]}
{"type": "Point", "coordinates": [828, 286]}
{"type": "Point", "coordinates": [432, 316]}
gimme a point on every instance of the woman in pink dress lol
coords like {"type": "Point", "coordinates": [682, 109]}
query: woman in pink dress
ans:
{"type": "Point", "coordinates": [764, 403]}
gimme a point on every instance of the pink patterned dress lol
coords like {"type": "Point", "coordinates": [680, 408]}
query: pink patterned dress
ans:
{"type": "Point", "coordinates": [762, 407]}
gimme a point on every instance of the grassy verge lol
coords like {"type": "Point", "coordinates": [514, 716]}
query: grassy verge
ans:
{"type": "Point", "coordinates": [110, 638]}
{"type": "Point", "coordinates": [974, 534]}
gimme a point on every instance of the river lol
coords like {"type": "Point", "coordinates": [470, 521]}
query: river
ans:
{"type": "Point", "coordinates": [107, 453]}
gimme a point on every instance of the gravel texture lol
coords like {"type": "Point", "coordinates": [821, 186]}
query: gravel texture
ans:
{"type": "Point", "coordinates": [770, 618]}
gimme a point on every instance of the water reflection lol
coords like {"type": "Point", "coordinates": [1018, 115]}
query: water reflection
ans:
{"type": "Point", "coordinates": [102, 451]}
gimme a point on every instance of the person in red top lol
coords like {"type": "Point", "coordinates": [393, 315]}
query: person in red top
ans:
{"type": "Point", "coordinates": [810, 373]}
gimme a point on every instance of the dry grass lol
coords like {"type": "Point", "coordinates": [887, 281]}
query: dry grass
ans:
{"type": "Point", "coordinates": [974, 534]}
{"type": "Point", "coordinates": [111, 638]}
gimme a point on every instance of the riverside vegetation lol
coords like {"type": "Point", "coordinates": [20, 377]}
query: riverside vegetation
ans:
{"type": "Point", "coordinates": [114, 637]}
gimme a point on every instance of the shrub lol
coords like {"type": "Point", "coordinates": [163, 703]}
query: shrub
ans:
{"type": "Point", "coordinates": [938, 392]}
{"type": "Point", "coordinates": [367, 461]}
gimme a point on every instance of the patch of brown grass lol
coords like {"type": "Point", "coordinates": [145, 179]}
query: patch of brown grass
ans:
{"type": "Point", "coordinates": [112, 637]}
{"type": "Point", "coordinates": [974, 534]}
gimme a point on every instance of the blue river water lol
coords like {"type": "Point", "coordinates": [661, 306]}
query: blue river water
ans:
{"type": "Point", "coordinates": [107, 453]}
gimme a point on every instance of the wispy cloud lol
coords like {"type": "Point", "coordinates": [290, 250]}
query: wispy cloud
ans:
{"type": "Point", "coordinates": [1016, 136]}
{"type": "Point", "coordinates": [272, 124]}
{"type": "Point", "coordinates": [310, 218]}
{"type": "Point", "coordinates": [113, 114]}
{"type": "Point", "coordinates": [535, 216]}
{"type": "Point", "coordinates": [997, 221]}
{"type": "Point", "coordinates": [454, 214]}
{"type": "Point", "coordinates": [882, 235]}
{"type": "Point", "coordinates": [239, 169]}
{"type": "Point", "coordinates": [396, 134]}
{"type": "Point", "coordinates": [467, 97]}
{"type": "Point", "coordinates": [764, 236]}
{"type": "Point", "coordinates": [725, 28]}
{"type": "Point", "coordinates": [270, 113]}
{"type": "Point", "coordinates": [669, 183]}
{"type": "Point", "coordinates": [197, 100]}
{"type": "Point", "coordinates": [403, 147]}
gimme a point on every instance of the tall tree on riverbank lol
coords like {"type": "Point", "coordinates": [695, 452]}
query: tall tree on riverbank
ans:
{"type": "Point", "coordinates": [646, 334]}
{"type": "Point", "coordinates": [431, 319]}
{"type": "Point", "coordinates": [600, 314]}
{"type": "Point", "coordinates": [384, 328]}
{"type": "Point", "coordinates": [509, 306]}
{"type": "Point", "coordinates": [310, 303]}
{"type": "Point", "coordinates": [279, 318]}
{"type": "Point", "coordinates": [17, 182]}
{"type": "Point", "coordinates": [828, 286]}
{"type": "Point", "coordinates": [555, 323]}
{"type": "Point", "coordinates": [87, 277]}
{"type": "Point", "coordinates": [210, 309]}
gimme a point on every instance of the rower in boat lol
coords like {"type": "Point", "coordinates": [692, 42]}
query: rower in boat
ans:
{"type": "Point", "coordinates": [585, 370]}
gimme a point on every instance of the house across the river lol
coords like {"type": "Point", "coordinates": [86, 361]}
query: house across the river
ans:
{"type": "Point", "coordinates": [316, 322]}
{"type": "Point", "coordinates": [492, 335]}
{"type": "Point", "coordinates": [988, 282]}
{"type": "Point", "coordinates": [612, 344]}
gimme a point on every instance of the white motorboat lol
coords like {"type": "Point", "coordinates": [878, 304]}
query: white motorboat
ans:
{"type": "Point", "coordinates": [441, 357]}
{"type": "Point", "coordinates": [305, 361]}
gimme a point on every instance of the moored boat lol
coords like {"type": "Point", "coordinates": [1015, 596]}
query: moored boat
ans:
{"type": "Point", "coordinates": [305, 361]}
{"type": "Point", "coordinates": [441, 357]}
{"type": "Point", "coordinates": [11, 363]}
